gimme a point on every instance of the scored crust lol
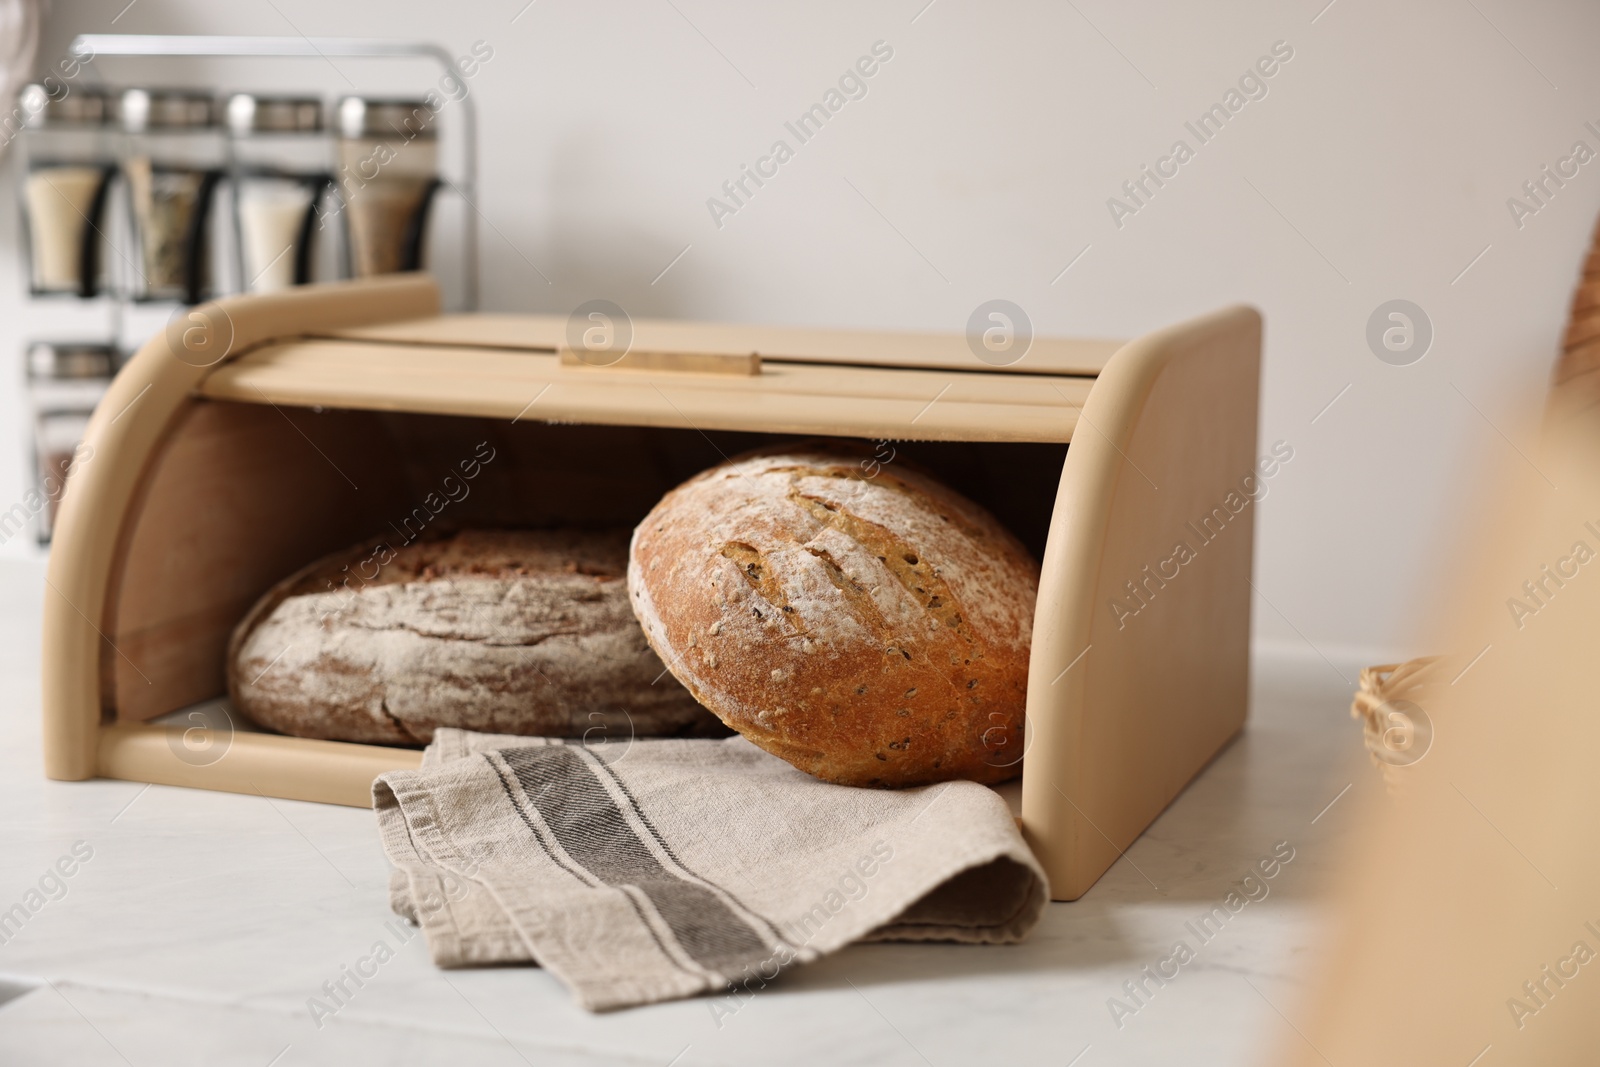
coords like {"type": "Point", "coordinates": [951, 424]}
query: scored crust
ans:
{"type": "Point", "coordinates": [501, 631]}
{"type": "Point", "coordinates": [871, 630]}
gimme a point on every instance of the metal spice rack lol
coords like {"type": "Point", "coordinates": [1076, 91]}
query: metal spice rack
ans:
{"type": "Point", "coordinates": [465, 184]}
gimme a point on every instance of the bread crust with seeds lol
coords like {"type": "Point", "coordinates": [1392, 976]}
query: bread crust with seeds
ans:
{"type": "Point", "coordinates": [869, 630]}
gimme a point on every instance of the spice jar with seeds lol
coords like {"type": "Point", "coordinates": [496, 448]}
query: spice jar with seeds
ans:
{"type": "Point", "coordinates": [172, 165]}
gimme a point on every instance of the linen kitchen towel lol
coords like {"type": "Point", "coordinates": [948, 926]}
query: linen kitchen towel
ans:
{"type": "Point", "coordinates": [649, 870]}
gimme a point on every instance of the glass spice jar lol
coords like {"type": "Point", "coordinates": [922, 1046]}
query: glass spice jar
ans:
{"type": "Point", "coordinates": [172, 164]}
{"type": "Point", "coordinates": [69, 167]}
{"type": "Point", "coordinates": [279, 158]}
{"type": "Point", "coordinates": [388, 172]}
{"type": "Point", "coordinates": [65, 382]}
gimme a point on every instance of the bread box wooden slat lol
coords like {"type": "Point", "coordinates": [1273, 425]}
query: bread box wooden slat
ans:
{"type": "Point", "coordinates": [306, 420]}
{"type": "Point", "coordinates": [787, 397]}
{"type": "Point", "coordinates": [859, 348]}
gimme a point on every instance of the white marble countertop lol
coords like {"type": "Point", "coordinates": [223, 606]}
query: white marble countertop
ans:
{"type": "Point", "coordinates": [201, 923]}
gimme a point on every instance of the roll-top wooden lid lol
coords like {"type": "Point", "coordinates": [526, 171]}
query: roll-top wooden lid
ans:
{"type": "Point", "coordinates": [689, 375]}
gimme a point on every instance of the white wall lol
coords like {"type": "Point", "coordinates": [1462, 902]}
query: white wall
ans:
{"type": "Point", "coordinates": [980, 163]}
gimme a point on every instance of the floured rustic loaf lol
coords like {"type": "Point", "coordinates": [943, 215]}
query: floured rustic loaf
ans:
{"type": "Point", "coordinates": [522, 632]}
{"type": "Point", "coordinates": [869, 630]}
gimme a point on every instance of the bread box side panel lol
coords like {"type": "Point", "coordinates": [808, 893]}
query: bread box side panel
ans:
{"type": "Point", "coordinates": [125, 432]}
{"type": "Point", "coordinates": [237, 496]}
{"type": "Point", "coordinates": [1140, 664]}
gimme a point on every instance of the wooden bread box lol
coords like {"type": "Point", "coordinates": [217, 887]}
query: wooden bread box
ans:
{"type": "Point", "coordinates": [261, 432]}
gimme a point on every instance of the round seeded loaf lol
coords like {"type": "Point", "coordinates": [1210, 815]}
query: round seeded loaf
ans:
{"type": "Point", "coordinates": [870, 630]}
{"type": "Point", "coordinates": [521, 632]}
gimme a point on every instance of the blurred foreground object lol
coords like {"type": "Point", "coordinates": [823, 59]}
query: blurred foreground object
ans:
{"type": "Point", "coordinates": [1468, 925]}
{"type": "Point", "coordinates": [19, 48]}
{"type": "Point", "coordinates": [1577, 376]}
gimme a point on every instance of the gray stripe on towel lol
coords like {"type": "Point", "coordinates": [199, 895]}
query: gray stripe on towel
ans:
{"type": "Point", "coordinates": [593, 829]}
